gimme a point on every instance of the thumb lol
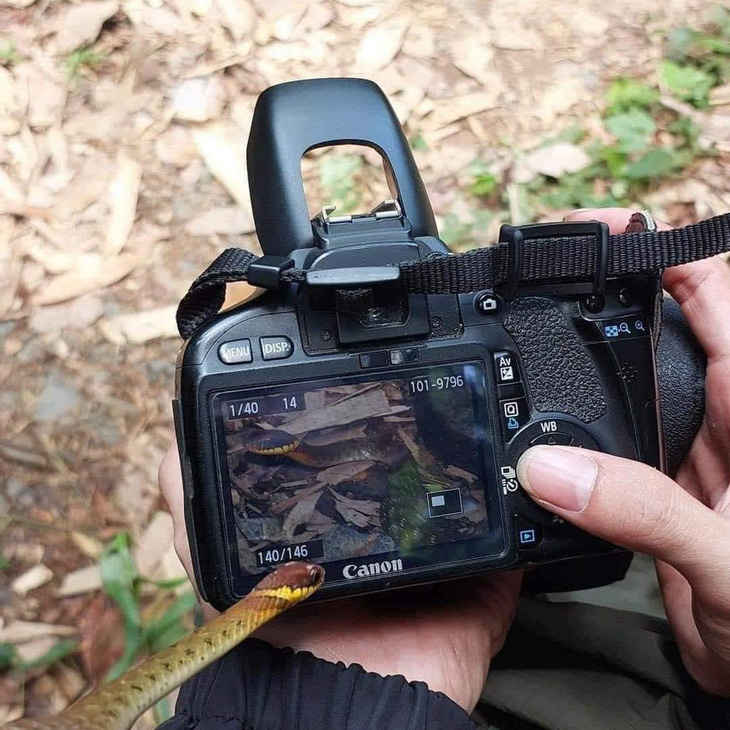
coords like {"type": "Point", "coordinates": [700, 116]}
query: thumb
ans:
{"type": "Point", "coordinates": [632, 505]}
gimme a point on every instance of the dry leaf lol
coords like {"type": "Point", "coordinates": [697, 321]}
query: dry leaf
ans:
{"type": "Point", "coordinates": [366, 405]}
{"type": "Point", "coordinates": [238, 17]}
{"type": "Point", "coordinates": [359, 512]}
{"type": "Point", "coordinates": [199, 99]}
{"type": "Point", "coordinates": [223, 221]}
{"type": "Point", "coordinates": [379, 46]}
{"type": "Point", "coordinates": [81, 24]}
{"type": "Point", "coordinates": [46, 94]}
{"type": "Point", "coordinates": [18, 632]}
{"type": "Point", "coordinates": [300, 514]}
{"type": "Point", "coordinates": [10, 113]}
{"type": "Point", "coordinates": [154, 543]}
{"type": "Point", "coordinates": [78, 582]}
{"type": "Point", "coordinates": [554, 161]}
{"type": "Point", "coordinates": [460, 107]}
{"type": "Point", "coordinates": [76, 314]}
{"type": "Point", "coordinates": [139, 327]}
{"type": "Point", "coordinates": [343, 472]}
{"type": "Point", "coordinates": [123, 191]}
{"type": "Point", "coordinates": [223, 148]}
{"type": "Point", "coordinates": [176, 146]}
{"type": "Point", "coordinates": [91, 274]}
{"type": "Point", "coordinates": [34, 578]}
{"type": "Point", "coordinates": [473, 56]}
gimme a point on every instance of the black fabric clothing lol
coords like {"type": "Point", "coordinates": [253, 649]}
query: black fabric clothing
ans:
{"type": "Point", "coordinates": [568, 666]}
{"type": "Point", "coordinates": [257, 687]}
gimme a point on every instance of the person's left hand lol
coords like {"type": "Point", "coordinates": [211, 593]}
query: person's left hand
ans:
{"type": "Point", "coordinates": [444, 635]}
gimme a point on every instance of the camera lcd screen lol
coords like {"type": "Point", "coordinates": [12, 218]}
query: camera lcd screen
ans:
{"type": "Point", "coordinates": [338, 471]}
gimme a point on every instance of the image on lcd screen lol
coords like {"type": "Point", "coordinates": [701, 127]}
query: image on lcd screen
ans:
{"type": "Point", "coordinates": [330, 472]}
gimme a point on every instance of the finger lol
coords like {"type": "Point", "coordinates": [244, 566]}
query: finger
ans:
{"type": "Point", "coordinates": [170, 479]}
{"type": "Point", "coordinates": [631, 505]}
{"type": "Point", "coordinates": [701, 288]}
{"type": "Point", "coordinates": [616, 218]}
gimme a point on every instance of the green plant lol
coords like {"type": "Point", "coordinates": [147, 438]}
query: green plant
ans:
{"type": "Point", "coordinates": [123, 584]}
{"type": "Point", "coordinates": [83, 58]}
{"type": "Point", "coordinates": [9, 54]}
{"type": "Point", "coordinates": [338, 177]}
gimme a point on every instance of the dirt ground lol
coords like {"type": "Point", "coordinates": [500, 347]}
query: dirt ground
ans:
{"type": "Point", "coordinates": [122, 175]}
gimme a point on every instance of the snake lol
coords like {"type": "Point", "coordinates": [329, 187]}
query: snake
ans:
{"type": "Point", "coordinates": [117, 705]}
{"type": "Point", "coordinates": [276, 442]}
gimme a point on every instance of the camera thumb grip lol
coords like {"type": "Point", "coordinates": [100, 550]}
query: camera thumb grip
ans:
{"type": "Point", "coordinates": [681, 364]}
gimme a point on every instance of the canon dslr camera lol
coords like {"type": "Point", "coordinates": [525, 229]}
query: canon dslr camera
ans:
{"type": "Point", "coordinates": [341, 420]}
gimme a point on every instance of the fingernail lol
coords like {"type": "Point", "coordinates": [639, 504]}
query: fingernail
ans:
{"type": "Point", "coordinates": [558, 476]}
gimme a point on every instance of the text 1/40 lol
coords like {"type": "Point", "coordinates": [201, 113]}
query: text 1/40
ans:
{"type": "Point", "coordinates": [264, 406]}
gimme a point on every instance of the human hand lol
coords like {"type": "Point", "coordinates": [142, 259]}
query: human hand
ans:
{"type": "Point", "coordinates": [444, 635]}
{"type": "Point", "coordinates": [683, 524]}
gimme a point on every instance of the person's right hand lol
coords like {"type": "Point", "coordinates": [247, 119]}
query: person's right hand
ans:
{"type": "Point", "coordinates": [685, 524]}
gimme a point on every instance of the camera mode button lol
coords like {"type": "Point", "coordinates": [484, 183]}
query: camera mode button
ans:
{"type": "Point", "coordinates": [235, 352]}
{"type": "Point", "coordinates": [276, 348]}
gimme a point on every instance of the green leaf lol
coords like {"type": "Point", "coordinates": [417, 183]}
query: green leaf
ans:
{"type": "Point", "coordinates": [168, 628]}
{"type": "Point", "coordinates": [687, 83]}
{"type": "Point", "coordinates": [337, 175]}
{"type": "Point", "coordinates": [680, 43]}
{"type": "Point", "coordinates": [656, 163]}
{"type": "Point", "coordinates": [4, 563]}
{"type": "Point", "coordinates": [716, 45]}
{"type": "Point", "coordinates": [118, 576]}
{"type": "Point", "coordinates": [418, 142]}
{"type": "Point", "coordinates": [484, 185]}
{"type": "Point", "coordinates": [625, 94]}
{"type": "Point", "coordinates": [7, 655]}
{"type": "Point", "coordinates": [633, 130]}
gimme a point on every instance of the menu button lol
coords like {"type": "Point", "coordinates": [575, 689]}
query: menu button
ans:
{"type": "Point", "coordinates": [237, 351]}
{"type": "Point", "coordinates": [276, 348]}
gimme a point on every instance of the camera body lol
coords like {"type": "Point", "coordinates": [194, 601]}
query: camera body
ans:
{"type": "Point", "coordinates": [343, 422]}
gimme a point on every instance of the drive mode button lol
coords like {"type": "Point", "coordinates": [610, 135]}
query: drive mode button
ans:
{"type": "Point", "coordinates": [276, 348]}
{"type": "Point", "coordinates": [232, 353]}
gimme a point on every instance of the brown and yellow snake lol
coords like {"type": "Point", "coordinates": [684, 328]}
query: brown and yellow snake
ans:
{"type": "Point", "coordinates": [116, 706]}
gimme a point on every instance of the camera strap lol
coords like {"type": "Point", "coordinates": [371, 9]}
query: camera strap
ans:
{"type": "Point", "coordinates": [567, 252]}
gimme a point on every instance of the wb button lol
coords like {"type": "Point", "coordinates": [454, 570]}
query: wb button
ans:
{"type": "Point", "coordinates": [276, 348]}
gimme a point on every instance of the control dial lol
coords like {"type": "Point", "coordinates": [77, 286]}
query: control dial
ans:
{"type": "Point", "coordinates": [550, 432]}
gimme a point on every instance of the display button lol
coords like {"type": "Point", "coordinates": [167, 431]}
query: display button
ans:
{"type": "Point", "coordinates": [514, 415]}
{"type": "Point", "coordinates": [553, 439]}
{"type": "Point", "coordinates": [505, 367]}
{"type": "Point", "coordinates": [236, 351]}
{"type": "Point", "coordinates": [276, 348]}
{"type": "Point", "coordinates": [445, 502]}
{"type": "Point", "coordinates": [402, 357]}
{"type": "Point", "coordinates": [487, 303]}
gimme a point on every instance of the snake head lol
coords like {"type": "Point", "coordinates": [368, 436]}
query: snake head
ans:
{"type": "Point", "coordinates": [292, 582]}
{"type": "Point", "coordinates": [273, 442]}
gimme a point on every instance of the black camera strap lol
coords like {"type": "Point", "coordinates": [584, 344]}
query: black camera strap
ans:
{"type": "Point", "coordinates": [568, 252]}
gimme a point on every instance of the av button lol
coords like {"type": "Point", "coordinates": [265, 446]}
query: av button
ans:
{"type": "Point", "coordinates": [276, 348]}
{"type": "Point", "coordinates": [236, 351]}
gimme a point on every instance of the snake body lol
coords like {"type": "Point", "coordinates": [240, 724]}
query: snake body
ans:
{"type": "Point", "coordinates": [116, 706]}
{"type": "Point", "coordinates": [277, 442]}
